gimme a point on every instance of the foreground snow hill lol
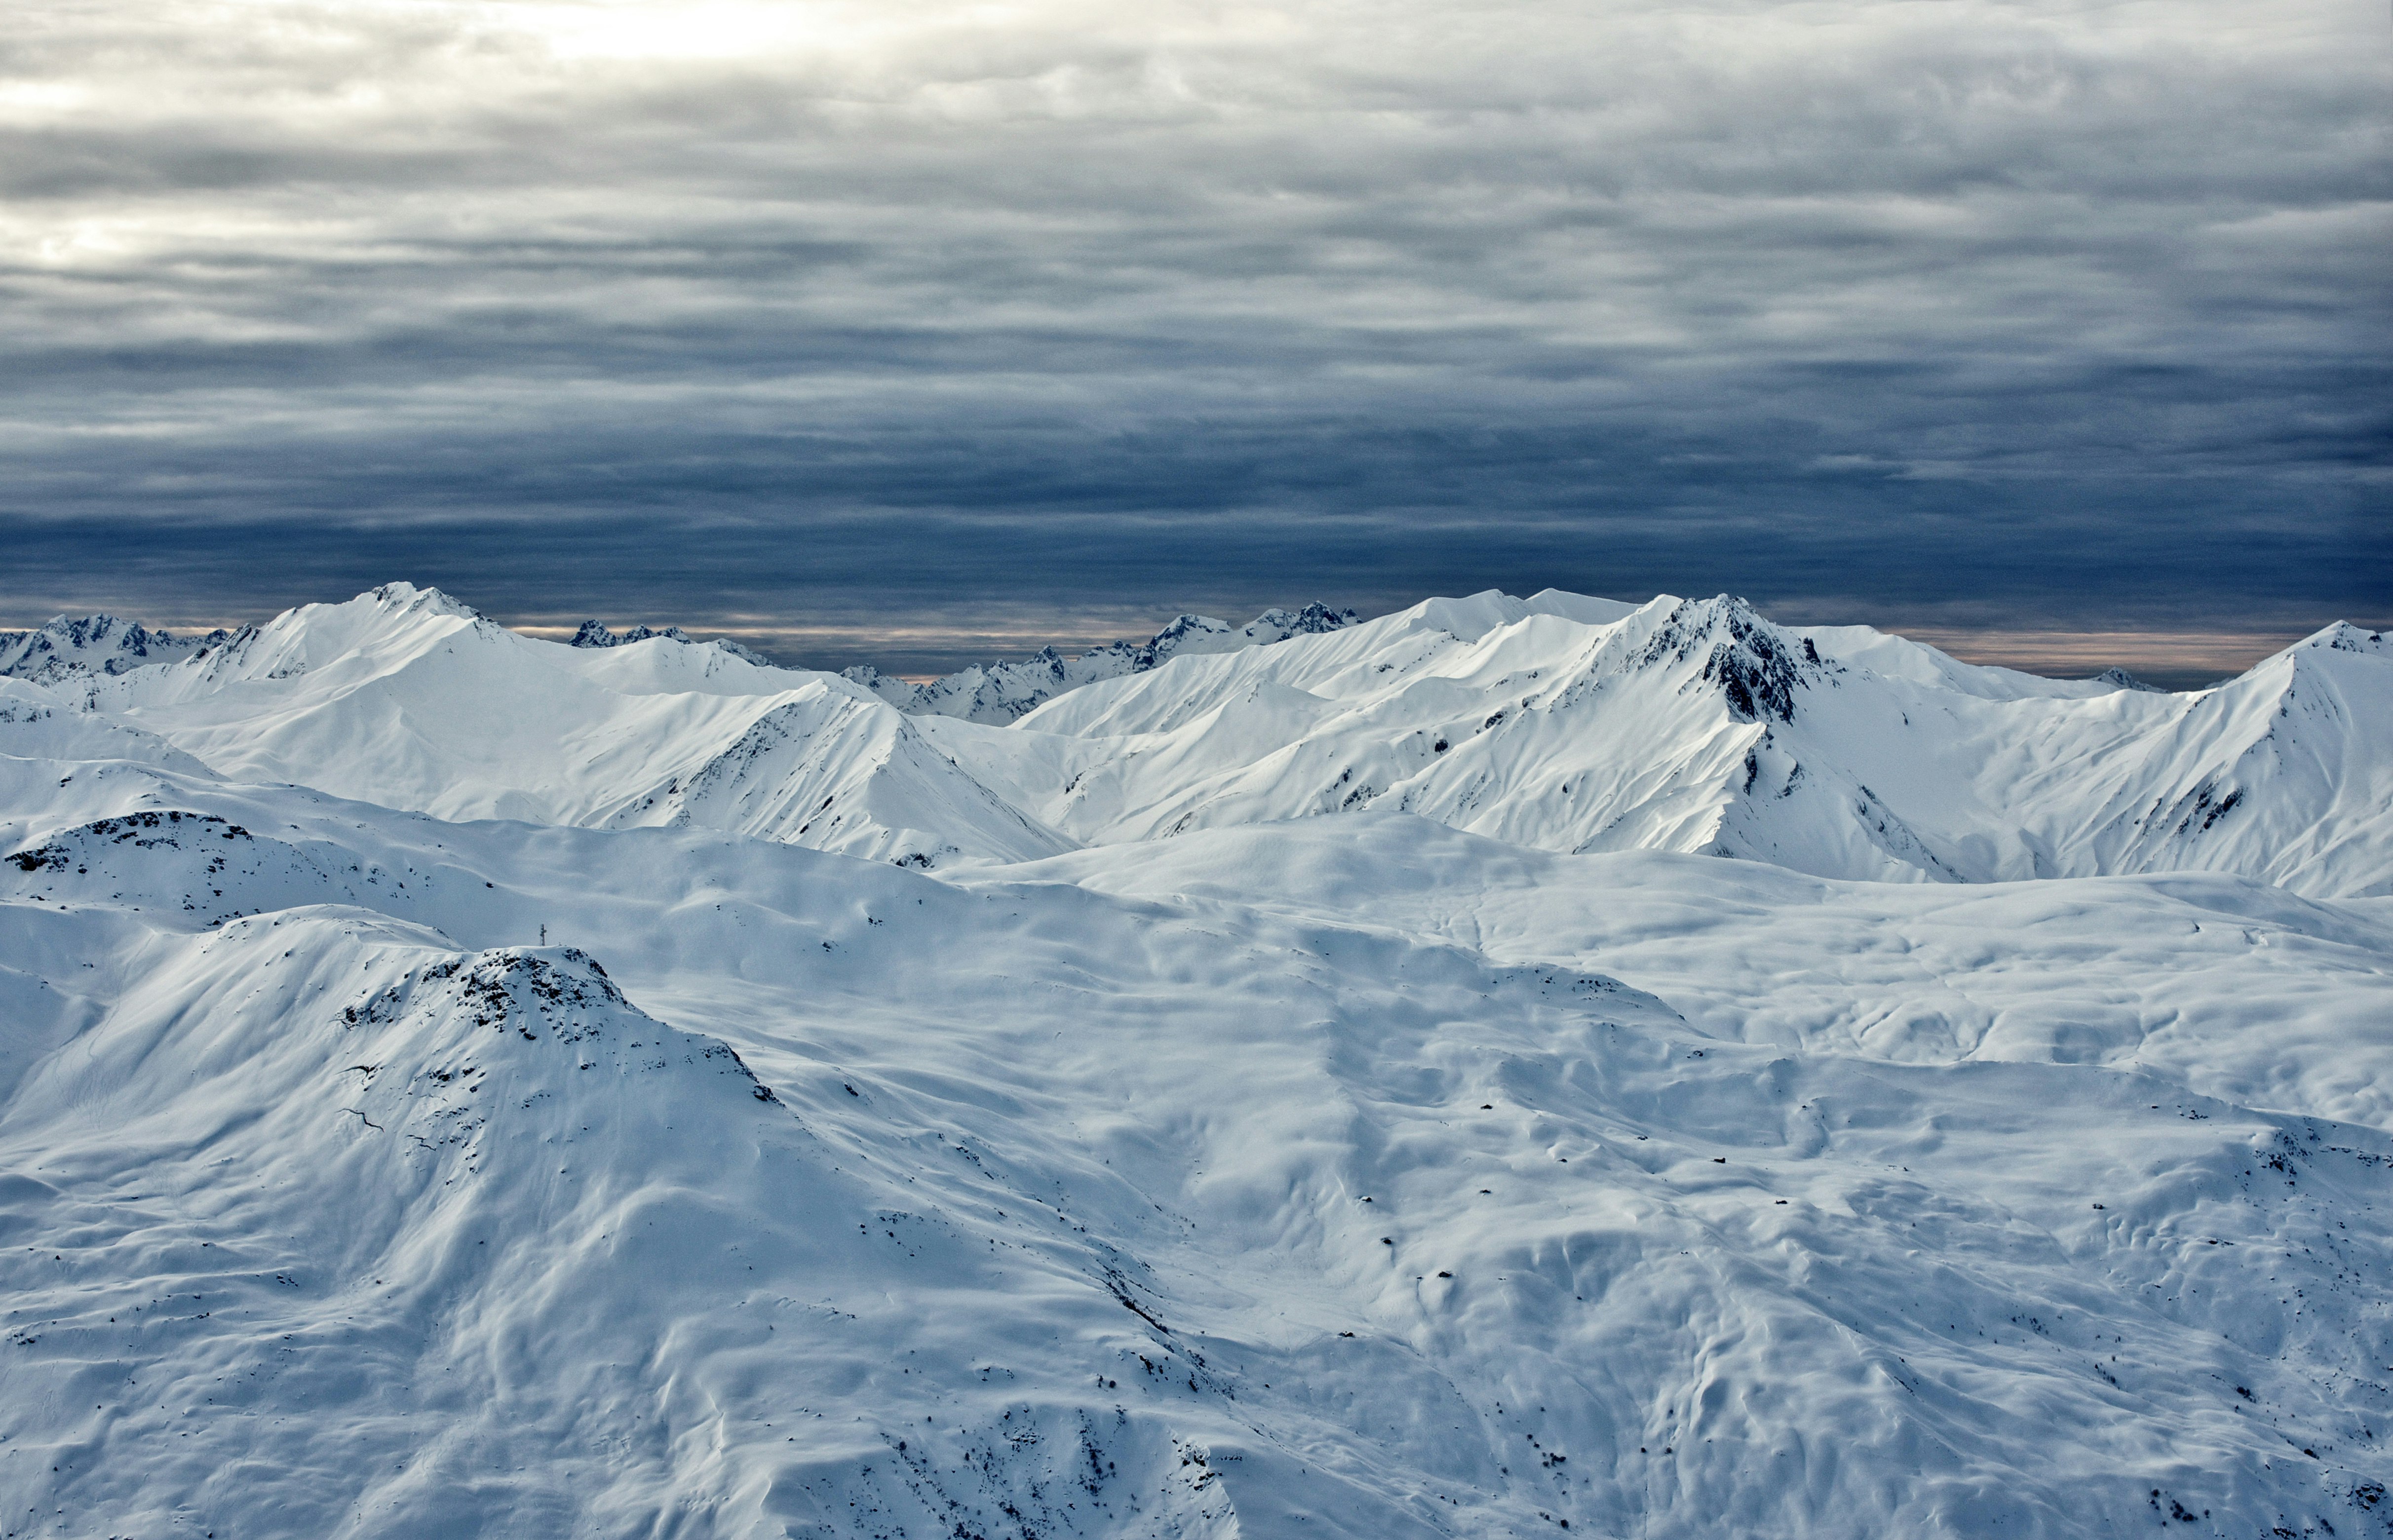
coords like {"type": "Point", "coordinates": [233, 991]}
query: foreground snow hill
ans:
{"type": "Point", "coordinates": [440, 1095]}
{"type": "Point", "coordinates": [340, 1205]}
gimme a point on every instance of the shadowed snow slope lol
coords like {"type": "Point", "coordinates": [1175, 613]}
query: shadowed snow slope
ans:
{"type": "Point", "coordinates": [375, 1166]}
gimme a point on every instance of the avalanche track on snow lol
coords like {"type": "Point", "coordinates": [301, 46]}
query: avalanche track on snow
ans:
{"type": "Point", "coordinates": [1321, 1082]}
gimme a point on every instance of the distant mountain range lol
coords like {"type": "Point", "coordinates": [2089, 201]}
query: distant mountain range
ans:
{"type": "Point", "coordinates": [1000, 693]}
{"type": "Point", "coordinates": [1558, 722]}
{"type": "Point", "coordinates": [95, 643]}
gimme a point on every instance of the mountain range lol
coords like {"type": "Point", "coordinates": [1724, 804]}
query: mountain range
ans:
{"type": "Point", "coordinates": [1558, 722]}
{"type": "Point", "coordinates": [1507, 1067]}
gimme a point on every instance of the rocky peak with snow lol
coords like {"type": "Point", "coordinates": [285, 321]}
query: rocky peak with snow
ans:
{"type": "Point", "coordinates": [2120, 679]}
{"type": "Point", "coordinates": [92, 645]}
{"type": "Point", "coordinates": [1183, 631]}
{"type": "Point", "coordinates": [1314, 619]}
{"type": "Point", "coordinates": [411, 598]}
{"type": "Point", "coordinates": [2343, 636]}
{"type": "Point", "coordinates": [595, 634]}
{"type": "Point", "coordinates": [1756, 667]}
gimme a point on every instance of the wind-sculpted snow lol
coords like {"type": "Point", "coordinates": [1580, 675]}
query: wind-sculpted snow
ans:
{"type": "Point", "coordinates": [379, 1167]}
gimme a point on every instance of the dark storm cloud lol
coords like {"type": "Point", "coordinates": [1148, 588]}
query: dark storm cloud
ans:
{"type": "Point", "coordinates": [814, 324]}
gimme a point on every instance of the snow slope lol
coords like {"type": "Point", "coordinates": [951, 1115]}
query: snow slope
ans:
{"type": "Point", "coordinates": [405, 698]}
{"type": "Point", "coordinates": [1261, 1182]}
{"type": "Point", "coordinates": [377, 1159]}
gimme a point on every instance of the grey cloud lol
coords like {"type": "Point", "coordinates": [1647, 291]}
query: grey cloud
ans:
{"type": "Point", "coordinates": [2042, 315]}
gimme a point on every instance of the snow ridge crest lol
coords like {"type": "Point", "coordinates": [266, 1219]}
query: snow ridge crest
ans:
{"type": "Point", "coordinates": [595, 633]}
{"type": "Point", "coordinates": [1001, 693]}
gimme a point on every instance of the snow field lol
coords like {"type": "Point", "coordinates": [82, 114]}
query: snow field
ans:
{"type": "Point", "coordinates": [370, 1168]}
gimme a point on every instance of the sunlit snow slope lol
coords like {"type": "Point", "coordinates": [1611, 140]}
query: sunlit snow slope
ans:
{"type": "Point", "coordinates": [1698, 726]}
{"type": "Point", "coordinates": [406, 697]}
{"type": "Point", "coordinates": [440, 1095]}
{"type": "Point", "coordinates": [1558, 722]}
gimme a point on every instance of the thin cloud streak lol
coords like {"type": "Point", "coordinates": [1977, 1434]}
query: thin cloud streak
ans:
{"type": "Point", "coordinates": [2175, 659]}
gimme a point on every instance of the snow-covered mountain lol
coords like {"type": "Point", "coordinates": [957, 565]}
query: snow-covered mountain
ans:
{"type": "Point", "coordinates": [440, 1094]}
{"type": "Point", "coordinates": [405, 698]}
{"type": "Point", "coordinates": [1558, 722]}
{"type": "Point", "coordinates": [1699, 726]}
{"type": "Point", "coordinates": [93, 643]}
{"type": "Point", "coordinates": [1001, 693]}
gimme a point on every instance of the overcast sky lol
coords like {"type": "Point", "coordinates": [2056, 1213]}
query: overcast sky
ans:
{"type": "Point", "coordinates": [906, 332]}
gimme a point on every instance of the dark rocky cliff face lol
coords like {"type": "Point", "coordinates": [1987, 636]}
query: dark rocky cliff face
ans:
{"type": "Point", "coordinates": [1756, 667]}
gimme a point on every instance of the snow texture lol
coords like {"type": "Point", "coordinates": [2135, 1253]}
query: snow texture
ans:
{"type": "Point", "coordinates": [453, 1084]}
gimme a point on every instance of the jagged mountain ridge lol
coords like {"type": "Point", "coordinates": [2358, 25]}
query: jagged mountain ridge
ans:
{"type": "Point", "coordinates": [66, 647]}
{"type": "Point", "coordinates": [592, 634]}
{"type": "Point", "coordinates": [1558, 722]}
{"type": "Point", "coordinates": [1699, 726]}
{"type": "Point", "coordinates": [1002, 693]}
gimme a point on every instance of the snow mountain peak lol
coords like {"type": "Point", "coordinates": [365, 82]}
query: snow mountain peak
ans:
{"type": "Point", "coordinates": [2343, 636]}
{"type": "Point", "coordinates": [406, 597]}
{"type": "Point", "coordinates": [2120, 679]}
{"type": "Point", "coordinates": [594, 635]}
{"type": "Point", "coordinates": [1756, 667]}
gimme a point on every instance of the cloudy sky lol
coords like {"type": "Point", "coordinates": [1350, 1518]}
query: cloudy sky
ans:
{"type": "Point", "coordinates": [908, 332]}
